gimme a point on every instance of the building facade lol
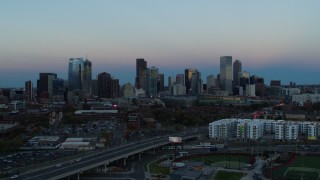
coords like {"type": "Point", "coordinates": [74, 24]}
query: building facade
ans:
{"type": "Point", "coordinates": [44, 85]}
{"type": "Point", "coordinates": [80, 75]}
{"type": "Point", "coordinates": [104, 85]}
{"type": "Point", "coordinates": [151, 81]}
{"type": "Point", "coordinates": [28, 91]}
{"type": "Point", "coordinates": [237, 67]}
{"type": "Point", "coordinates": [141, 66]}
{"type": "Point", "coordinates": [188, 79]}
{"type": "Point", "coordinates": [226, 73]}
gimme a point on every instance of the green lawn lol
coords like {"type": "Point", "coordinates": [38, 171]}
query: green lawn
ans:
{"type": "Point", "coordinates": [301, 175]}
{"type": "Point", "coordinates": [214, 158]}
{"type": "Point", "coordinates": [223, 175]}
{"type": "Point", "coordinates": [307, 161]}
{"type": "Point", "coordinates": [155, 169]}
{"type": "Point", "coordinates": [300, 161]}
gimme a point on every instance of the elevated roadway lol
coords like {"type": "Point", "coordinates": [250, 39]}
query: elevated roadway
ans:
{"type": "Point", "coordinates": [103, 157]}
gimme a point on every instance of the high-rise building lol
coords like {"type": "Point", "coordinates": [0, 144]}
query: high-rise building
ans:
{"type": "Point", "coordinates": [28, 91]}
{"type": "Point", "coordinates": [211, 81]}
{"type": "Point", "coordinates": [237, 67]}
{"type": "Point", "coordinates": [171, 82]}
{"type": "Point", "coordinates": [59, 93]}
{"type": "Point", "coordinates": [196, 83]}
{"type": "Point", "coordinates": [80, 74]}
{"type": "Point", "coordinates": [128, 90]}
{"type": "Point", "coordinates": [244, 79]}
{"type": "Point", "coordinates": [58, 87]}
{"type": "Point", "coordinates": [188, 78]}
{"type": "Point", "coordinates": [141, 66]}
{"type": "Point", "coordinates": [178, 89]}
{"type": "Point", "coordinates": [151, 81]}
{"type": "Point", "coordinates": [226, 73]}
{"type": "Point", "coordinates": [115, 88]}
{"type": "Point", "coordinates": [87, 77]}
{"type": "Point", "coordinates": [104, 85]}
{"type": "Point", "coordinates": [180, 79]}
{"type": "Point", "coordinates": [44, 85]}
{"type": "Point", "coordinates": [94, 87]}
{"type": "Point", "coordinates": [160, 82]}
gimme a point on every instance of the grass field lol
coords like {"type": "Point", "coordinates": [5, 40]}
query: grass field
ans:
{"type": "Point", "coordinates": [228, 160]}
{"type": "Point", "coordinates": [155, 169]}
{"type": "Point", "coordinates": [229, 164]}
{"type": "Point", "coordinates": [223, 175]}
{"type": "Point", "coordinates": [301, 175]}
{"type": "Point", "coordinates": [303, 167]}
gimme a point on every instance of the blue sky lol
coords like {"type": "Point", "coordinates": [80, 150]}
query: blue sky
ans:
{"type": "Point", "coordinates": [273, 39]}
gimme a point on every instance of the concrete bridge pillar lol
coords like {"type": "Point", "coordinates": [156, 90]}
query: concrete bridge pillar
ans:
{"type": "Point", "coordinates": [139, 156]}
{"type": "Point", "coordinates": [154, 150]}
{"type": "Point", "coordinates": [124, 162]}
{"type": "Point", "coordinates": [78, 176]}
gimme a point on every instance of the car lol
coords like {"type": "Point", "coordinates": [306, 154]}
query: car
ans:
{"type": "Point", "coordinates": [14, 177]}
{"type": "Point", "coordinates": [79, 159]}
{"type": "Point", "coordinates": [58, 165]}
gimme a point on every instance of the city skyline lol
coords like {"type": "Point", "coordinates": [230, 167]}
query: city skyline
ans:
{"type": "Point", "coordinates": [278, 37]}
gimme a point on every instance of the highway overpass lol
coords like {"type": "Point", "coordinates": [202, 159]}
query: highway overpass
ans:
{"type": "Point", "coordinates": [103, 157]}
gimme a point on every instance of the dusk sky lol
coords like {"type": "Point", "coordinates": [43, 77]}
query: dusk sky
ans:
{"type": "Point", "coordinates": [278, 40]}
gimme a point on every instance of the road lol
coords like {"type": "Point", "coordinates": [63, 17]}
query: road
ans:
{"type": "Point", "coordinates": [98, 158]}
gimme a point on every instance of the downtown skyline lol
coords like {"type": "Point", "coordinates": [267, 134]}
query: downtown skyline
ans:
{"type": "Point", "coordinates": [275, 40]}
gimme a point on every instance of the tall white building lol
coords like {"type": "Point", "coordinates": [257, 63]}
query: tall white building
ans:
{"type": "Point", "coordinates": [254, 129]}
{"type": "Point", "coordinates": [312, 131]}
{"type": "Point", "coordinates": [242, 128]}
{"type": "Point", "coordinates": [222, 129]}
{"type": "Point", "coordinates": [292, 130]}
{"type": "Point", "coordinates": [269, 126]}
{"type": "Point", "coordinates": [279, 133]}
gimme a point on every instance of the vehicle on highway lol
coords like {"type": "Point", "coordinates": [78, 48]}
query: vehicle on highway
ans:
{"type": "Point", "coordinates": [79, 159]}
{"type": "Point", "coordinates": [14, 177]}
{"type": "Point", "coordinates": [58, 165]}
{"type": "Point", "coordinates": [72, 162]}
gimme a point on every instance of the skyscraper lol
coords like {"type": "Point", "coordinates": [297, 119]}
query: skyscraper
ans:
{"type": "Point", "coordinates": [211, 81]}
{"type": "Point", "coordinates": [28, 91]}
{"type": "Point", "coordinates": [237, 67]}
{"type": "Point", "coordinates": [104, 85]}
{"type": "Point", "coordinates": [180, 79]}
{"type": "Point", "coordinates": [141, 66]}
{"type": "Point", "coordinates": [151, 81]}
{"type": "Point", "coordinates": [44, 85]}
{"type": "Point", "coordinates": [160, 82]}
{"type": "Point", "coordinates": [115, 88]}
{"type": "Point", "coordinates": [188, 78]}
{"type": "Point", "coordinates": [226, 73]}
{"type": "Point", "coordinates": [171, 82]}
{"type": "Point", "coordinates": [87, 76]}
{"type": "Point", "coordinates": [94, 87]}
{"type": "Point", "coordinates": [80, 74]}
{"type": "Point", "coordinates": [196, 83]}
